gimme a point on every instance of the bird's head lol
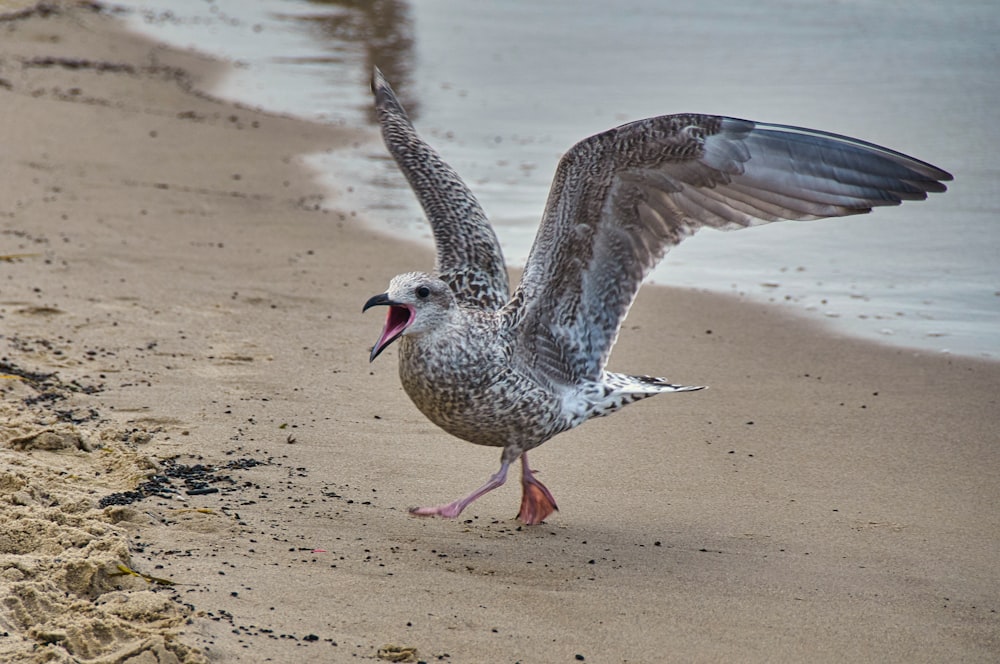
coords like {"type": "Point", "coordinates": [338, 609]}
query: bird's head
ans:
{"type": "Point", "coordinates": [418, 302]}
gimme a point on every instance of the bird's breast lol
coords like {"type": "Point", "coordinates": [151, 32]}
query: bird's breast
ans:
{"type": "Point", "coordinates": [469, 389]}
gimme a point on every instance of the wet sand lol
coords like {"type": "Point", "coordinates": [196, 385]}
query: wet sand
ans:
{"type": "Point", "coordinates": [180, 319]}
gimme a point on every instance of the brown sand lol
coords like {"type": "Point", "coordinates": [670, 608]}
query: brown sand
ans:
{"type": "Point", "coordinates": [826, 500]}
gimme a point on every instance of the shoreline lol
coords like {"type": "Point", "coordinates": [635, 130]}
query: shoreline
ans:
{"type": "Point", "coordinates": [828, 498]}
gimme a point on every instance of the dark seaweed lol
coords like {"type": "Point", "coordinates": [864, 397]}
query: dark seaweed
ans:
{"type": "Point", "coordinates": [193, 480]}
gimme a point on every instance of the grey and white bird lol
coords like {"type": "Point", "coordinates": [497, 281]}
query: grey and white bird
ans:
{"type": "Point", "coordinates": [513, 370]}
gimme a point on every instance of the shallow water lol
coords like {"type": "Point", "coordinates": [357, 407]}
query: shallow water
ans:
{"type": "Point", "coordinates": [502, 89]}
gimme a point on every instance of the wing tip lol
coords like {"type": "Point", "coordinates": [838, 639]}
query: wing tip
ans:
{"type": "Point", "coordinates": [917, 172]}
{"type": "Point", "coordinates": [385, 96]}
{"type": "Point", "coordinates": [378, 82]}
{"type": "Point", "coordinates": [933, 178]}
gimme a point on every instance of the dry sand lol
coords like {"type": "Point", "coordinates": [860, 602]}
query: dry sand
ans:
{"type": "Point", "coordinates": [183, 313]}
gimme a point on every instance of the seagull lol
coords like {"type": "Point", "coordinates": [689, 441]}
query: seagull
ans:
{"type": "Point", "coordinates": [513, 370]}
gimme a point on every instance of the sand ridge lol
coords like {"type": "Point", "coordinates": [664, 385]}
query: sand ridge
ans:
{"type": "Point", "coordinates": [65, 592]}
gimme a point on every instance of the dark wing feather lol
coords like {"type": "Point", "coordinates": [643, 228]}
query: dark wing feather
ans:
{"type": "Point", "coordinates": [621, 199]}
{"type": "Point", "coordinates": [468, 254]}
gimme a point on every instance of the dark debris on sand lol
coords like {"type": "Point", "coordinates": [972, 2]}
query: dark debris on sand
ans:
{"type": "Point", "coordinates": [175, 478]}
{"type": "Point", "coordinates": [51, 392]}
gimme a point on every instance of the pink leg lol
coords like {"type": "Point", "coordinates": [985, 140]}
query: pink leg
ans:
{"type": "Point", "coordinates": [536, 501]}
{"type": "Point", "coordinates": [451, 510]}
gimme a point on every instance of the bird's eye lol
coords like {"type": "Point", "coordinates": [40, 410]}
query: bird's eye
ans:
{"type": "Point", "coordinates": [423, 292]}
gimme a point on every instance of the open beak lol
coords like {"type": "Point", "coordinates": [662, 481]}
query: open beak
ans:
{"type": "Point", "coordinates": [396, 321]}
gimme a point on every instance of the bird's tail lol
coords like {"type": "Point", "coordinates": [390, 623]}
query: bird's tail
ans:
{"type": "Point", "coordinates": [648, 385]}
{"type": "Point", "coordinates": [623, 389]}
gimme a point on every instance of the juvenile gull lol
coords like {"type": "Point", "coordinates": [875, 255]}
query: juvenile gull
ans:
{"type": "Point", "coordinates": [512, 371]}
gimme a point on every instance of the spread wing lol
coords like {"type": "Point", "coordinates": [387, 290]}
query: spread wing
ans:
{"type": "Point", "coordinates": [468, 254]}
{"type": "Point", "coordinates": [621, 199]}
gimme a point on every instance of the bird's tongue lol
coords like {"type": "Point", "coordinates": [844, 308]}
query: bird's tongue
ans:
{"type": "Point", "coordinates": [397, 320]}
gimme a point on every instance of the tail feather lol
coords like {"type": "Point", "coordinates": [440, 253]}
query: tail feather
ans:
{"type": "Point", "coordinates": [622, 389]}
{"type": "Point", "coordinates": [655, 385]}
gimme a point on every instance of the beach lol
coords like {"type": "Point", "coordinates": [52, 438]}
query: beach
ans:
{"type": "Point", "coordinates": [198, 462]}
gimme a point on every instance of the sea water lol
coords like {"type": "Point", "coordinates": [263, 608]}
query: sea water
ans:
{"type": "Point", "coordinates": [503, 89]}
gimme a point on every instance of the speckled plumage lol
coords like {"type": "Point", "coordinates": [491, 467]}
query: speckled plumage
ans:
{"type": "Point", "coordinates": [512, 371]}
